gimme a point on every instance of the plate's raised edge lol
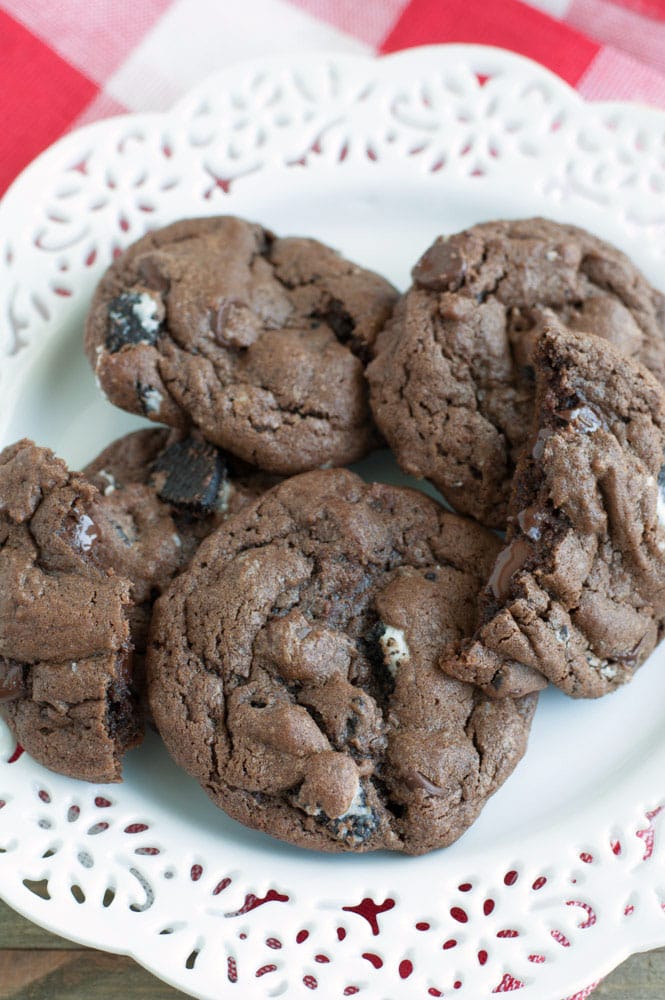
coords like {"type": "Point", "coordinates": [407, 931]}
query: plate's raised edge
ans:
{"type": "Point", "coordinates": [488, 59]}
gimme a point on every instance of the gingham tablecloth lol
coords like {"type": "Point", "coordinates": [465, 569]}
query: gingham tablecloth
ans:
{"type": "Point", "coordinates": [67, 62]}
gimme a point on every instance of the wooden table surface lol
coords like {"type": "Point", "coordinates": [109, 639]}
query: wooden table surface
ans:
{"type": "Point", "coordinates": [36, 965]}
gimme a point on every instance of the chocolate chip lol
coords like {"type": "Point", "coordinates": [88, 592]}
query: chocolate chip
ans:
{"type": "Point", "coordinates": [416, 779]}
{"type": "Point", "coordinates": [233, 323]}
{"type": "Point", "coordinates": [133, 318]}
{"type": "Point", "coordinates": [190, 474]}
{"type": "Point", "coordinates": [509, 562]}
{"type": "Point", "coordinates": [11, 680]}
{"type": "Point", "coordinates": [441, 268]}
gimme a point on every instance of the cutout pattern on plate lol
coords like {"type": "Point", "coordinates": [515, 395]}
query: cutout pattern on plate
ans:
{"type": "Point", "coordinates": [563, 906]}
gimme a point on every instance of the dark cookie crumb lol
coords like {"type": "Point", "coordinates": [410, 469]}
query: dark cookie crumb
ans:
{"type": "Point", "coordinates": [191, 474]}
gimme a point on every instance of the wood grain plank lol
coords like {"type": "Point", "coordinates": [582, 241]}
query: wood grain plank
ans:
{"type": "Point", "coordinates": [641, 977]}
{"type": "Point", "coordinates": [21, 970]}
{"type": "Point", "coordinates": [17, 932]}
{"type": "Point", "coordinates": [77, 975]}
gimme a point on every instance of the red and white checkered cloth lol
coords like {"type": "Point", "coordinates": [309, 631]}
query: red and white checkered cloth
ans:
{"type": "Point", "coordinates": [70, 62]}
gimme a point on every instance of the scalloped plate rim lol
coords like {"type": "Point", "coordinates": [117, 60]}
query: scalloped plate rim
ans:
{"type": "Point", "coordinates": [649, 772]}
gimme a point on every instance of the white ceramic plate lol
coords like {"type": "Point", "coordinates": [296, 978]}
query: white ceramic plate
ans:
{"type": "Point", "coordinates": [563, 876]}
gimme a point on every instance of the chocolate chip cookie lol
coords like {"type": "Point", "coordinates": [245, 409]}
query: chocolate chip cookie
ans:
{"type": "Point", "coordinates": [83, 557]}
{"type": "Point", "coordinates": [259, 342]}
{"type": "Point", "coordinates": [578, 593]}
{"type": "Point", "coordinates": [452, 383]}
{"type": "Point", "coordinates": [292, 668]}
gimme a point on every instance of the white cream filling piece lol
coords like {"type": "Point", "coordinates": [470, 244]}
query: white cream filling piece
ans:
{"type": "Point", "coordinates": [395, 648]}
{"type": "Point", "coordinates": [224, 496]}
{"type": "Point", "coordinates": [145, 310]}
{"type": "Point", "coordinates": [83, 536]}
{"type": "Point", "coordinates": [357, 807]}
{"type": "Point", "coordinates": [110, 480]}
{"type": "Point", "coordinates": [152, 400]}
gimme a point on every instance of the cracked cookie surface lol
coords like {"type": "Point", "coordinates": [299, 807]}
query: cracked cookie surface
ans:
{"type": "Point", "coordinates": [259, 342]}
{"type": "Point", "coordinates": [83, 556]}
{"type": "Point", "coordinates": [65, 646]}
{"type": "Point", "coordinates": [292, 668]}
{"type": "Point", "coordinates": [452, 383]}
{"type": "Point", "coordinates": [578, 593]}
{"type": "Point", "coordinates": [162, 492]}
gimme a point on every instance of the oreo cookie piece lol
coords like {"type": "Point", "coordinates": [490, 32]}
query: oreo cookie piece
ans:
{"type": "Point", "coordinates": [292, 668]}
{"type": "Point", "coordinates": [133, 318]}
{"type": "Point", "coordinates": [191, 473]}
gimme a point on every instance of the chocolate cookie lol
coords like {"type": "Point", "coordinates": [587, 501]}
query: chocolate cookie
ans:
{"type": "Point", "coordinates": [65, 647]}
{"type": "Point", "coordinates": [162, 493]}
{"type": "Point", "coordinates": [259, 342]}
{"type": "Point", "coordinates": [452, 383]}
{"type": "Point", "coordinates": [292, 669]}
{"type": "Point", "coordinates": [578, 594]}
{"type": "Point", "coordinates": [83, 558]}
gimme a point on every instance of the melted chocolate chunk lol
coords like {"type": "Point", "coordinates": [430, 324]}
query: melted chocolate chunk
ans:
{"type": "Point", "coordinates": [441, 268]}
{"type": "Point", "coordinates": [417, 779]}
{"type": "Point", "coordinates": [509, 561]}
{"type": "Point", "coordinates": [133, 318]}
{"type": "Point", "coordinates": [190, 474]}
